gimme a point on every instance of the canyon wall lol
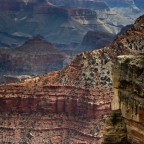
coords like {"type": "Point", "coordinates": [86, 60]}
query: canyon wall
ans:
{"type": "Point", "coordinates": [69, 105]}
{"type": "Point", "coordinates": [127, 102]}
{"type": "Point", "coordinates": [128, 81]}
{"type": "Point", "coordinates": [51, 113]}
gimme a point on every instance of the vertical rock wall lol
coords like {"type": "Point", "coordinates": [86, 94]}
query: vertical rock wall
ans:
{"type": "Point", "coordinates": [128, 83]}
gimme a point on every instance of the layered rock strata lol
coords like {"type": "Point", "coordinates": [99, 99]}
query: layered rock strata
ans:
{"type": "Point", "coordinates": [35, 56]}
{"type": "Point", "coordinates": [80, 93]}
{"type": "Point", "coordinates": [63, 109]}
{"type": "Point", "coordinates": [62, 25]}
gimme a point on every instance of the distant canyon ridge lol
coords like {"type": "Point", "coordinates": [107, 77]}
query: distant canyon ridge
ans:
{"type": "Point", "coordinates": [39, 36]}
{"type": "Point", "coordinates": [64, 23]}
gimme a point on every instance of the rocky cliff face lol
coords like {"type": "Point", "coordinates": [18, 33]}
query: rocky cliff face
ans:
{"type": "Point", "coordinates": [114, 129]}
{"type": "Point", "coordinates": [67, 105]}
{"type": "Point", "coordinates": [128, 79]}
{"type": "Point", "coordinates": [56, 113]}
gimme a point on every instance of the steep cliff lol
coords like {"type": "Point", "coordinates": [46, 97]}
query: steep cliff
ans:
{"type": "Point", "coordinates": [128, 80]}
{"type": "Point", "coordinates": [66, 105]}
{"type": "Point", "coordinates": [124, 125]}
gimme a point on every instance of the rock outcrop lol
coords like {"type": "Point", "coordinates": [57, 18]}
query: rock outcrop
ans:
{"type": "Point", "coordinates": [128, 80]}
{"type": "Point", "coordinates": [114, 129]}
{"type": "Point", "coordinates": [66, 105]}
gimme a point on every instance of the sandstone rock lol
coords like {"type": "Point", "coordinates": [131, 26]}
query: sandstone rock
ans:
{"type": "Point", "coordinates": [128, 79]}
{"type": "Point", "coordinates": [114, 129]}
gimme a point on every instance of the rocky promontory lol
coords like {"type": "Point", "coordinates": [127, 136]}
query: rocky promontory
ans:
{"type": "Point", "coordinates": [128, 82]}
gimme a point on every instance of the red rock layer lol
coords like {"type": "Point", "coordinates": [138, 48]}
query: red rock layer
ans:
{"type": "Point", "coordinates": [54, 99]}
{"type": "Point", "coordinates": [80, 110]}
{"type": "Point", "coordinates": [82, 90]}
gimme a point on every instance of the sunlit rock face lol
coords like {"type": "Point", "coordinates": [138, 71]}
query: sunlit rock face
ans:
{"type": "Point", "coordinates": [125, 122]}
{"type": "Point", "coordinates": [128, 79]}
{"type": "Point", "coordinates": [67, 105]}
